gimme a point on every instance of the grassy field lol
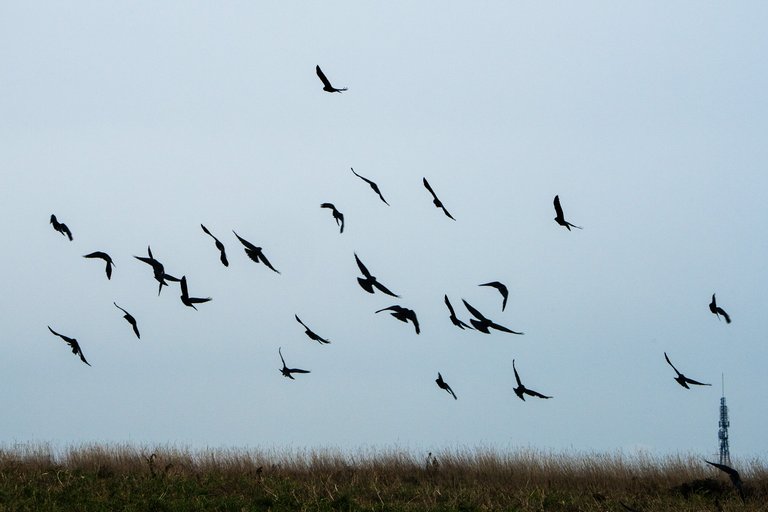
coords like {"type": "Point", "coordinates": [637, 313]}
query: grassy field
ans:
{"type": "Point", "coordinates": [121, 478]}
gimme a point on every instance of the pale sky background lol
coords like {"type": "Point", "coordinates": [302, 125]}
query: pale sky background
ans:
{"type": "Point", "coordinates": [134, 122]}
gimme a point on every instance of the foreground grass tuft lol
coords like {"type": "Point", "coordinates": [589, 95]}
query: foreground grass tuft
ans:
{"type": "Point", "coordinates": [125, 478]}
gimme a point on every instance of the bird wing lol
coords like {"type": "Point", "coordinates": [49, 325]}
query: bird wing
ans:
{"type": "Point", "coordinates": [670, 364]}
{"type": "Point", "coordinates": [121, 309]}
{"type": "Point", "coordinates": [697, 383]}
{"type": "Point", "coordinates": [197, 300]}
{"type": "Point", "coordinates": [80, 353]}
{"type": "Point", "coordinates": [299, 320]}
{"type": "Point", "coordinates": [184, 290]}
{"type": "Point", "coordinates": [474, 312]}
{"type": "Point", "coordinates": [267, 263]}
{"type": "Point", "coordinates": [297, 370]}
{"type": "Point", "coordinates": [517, 376]}
{"type": "Point", "coordinates": [722, 467]}
{"type": "Point", "coordinates": [322, 77]}
{"type": "Point", "coordinates": [501, 328]}
{"type": "Point", "coordinates": [725, 315]}
{"type": "Point", "coordinates": [136, 329]}
{"type": "Point", "coordinates": [450, 307]}
{"type": "Point", "coordinates": [208, 232]}
{"type": "Point", "coordinates": [384, 289]}
{"type": "Point", "coordinates": [362, 177]}
{"type": "Point", "coordinates": [328, 205]}
{"type": "Point", "coordinates": [411, 314]}
{"type": "Point", "coordinates": [280, 351]}
{"type": "Point", "coordinates": [150, 261]}
{"type": "Point", "coordinates": [362, 267]}
{"type": "Point", "coordinates": [390, 308]}
{"type": "Point", "coordinates": [447, 213]}
{"type": "Point", "coordinates": [426, 185]}
{"type": "Point", "coordinates": [245, 242]}
{"type": "Point", "coordinates": [558, 208]}
{"type": "Point", "coordinates": [535, 393]}
{"type": "Point", "coordinates": [54, 332]}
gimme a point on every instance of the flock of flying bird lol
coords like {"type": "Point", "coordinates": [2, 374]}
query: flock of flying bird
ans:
{"type": "Point", "coordinates": [367, 282]}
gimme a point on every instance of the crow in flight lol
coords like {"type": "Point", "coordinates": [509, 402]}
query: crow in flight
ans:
{"type": "Point", "coordinates": [403, 314]}
{"type": "Point", "coordinates": [521, 390]}
{"type": "Point", "coordinates": [255, 253]}
{"type": "Point", "coordinates": [219, 246]}
{"type": "Point", "coordinates": [502, 290]}
{"type": "Point", "coordinates": [309, 332]}
{"type": "Point", "coordinates": [72, 342]}
{"type": "Point", "coordinates": [158, 270]}
{"type": "Point", "coordinates": [374, 186]}
{"type": "Point", "coordinates": [454, 319]}
{"type": "Point", "coordinates": [61, 227]}
{"type": "Point", "coordinates": [103, 256]}
{"type": "Point", "coordinates": [732, 474]}
{"type": "Point", "coordinates": [717, 310]}
{"type": "Point", "coordinates": [326, 84]}
{"type": "Point", "coordinates": [435, 200]}
{"type": "Point", "coordinates": [444, 385]}
{"type": "Point", "coordinates": [129, 318]}
{"type": "Point", "coordinates": [560, 218]}
{"type": "Point", "coordinates": [288, 371]}
{"type": "Point", "coordinates": [682, 379]}
{"type": "Point", "coordinates": [337, 215]}
{"type": "Point", "coordinates": [370, 281]}
{"type": "Point", "coordinates": [482, 324]}
{"type": "Point", "coordinates": [186, 299]}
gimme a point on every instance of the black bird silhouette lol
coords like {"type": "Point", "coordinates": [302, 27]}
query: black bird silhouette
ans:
{"type": "Point", "coordinates": [158, 270]}
{"type": "Point", "coordinates": [482, 324]}
{"type": "Point", "coordinates": [103, 256]}
{"type": "Point", "coordinates": [370, 281]}
{"type": "Point", "coordinates": [435, 200]}
{"type": "Point", "coordinates": [682, 379]}
{"type": "Point", "coordinates": [186, 299]}
{"type": "Point", "coordinates": [337, 215]}
{"type": "Point", "coordinates": [403, 314]}
{"type": "Point", "coordinates": [129, 318]}
{"type": "Point", "coordinates": [454, 319]}
{"type": "Point", "coordinates": [560, 218]}
{"type": "Point", "coordinates": [74, 345]}
{"type": "Point", "coordinates": [309, 332]}
{"type": "Point", "coordinates": [732, 474]}
{"type": "Point", "coordinates": [521, 390]}
{"type": "Point", "coordinates": [502, 290]}
{"type": "Point", "coordinates": [374, 186]}
{"type": "Point", "coordinates": [444, 385]}
{"type": "Point", "coordinates": [288, 371]}
{"type": "Point", "coordinates": [717, 310]}
{"type": "Point", "coordinates": [61, 227]}
{"type": "Point", "coordinates": [326, 84]}
{"type": "Point", "coordinates": [255, 253]}
{"type": "Point", "coordinates": [219, 246]}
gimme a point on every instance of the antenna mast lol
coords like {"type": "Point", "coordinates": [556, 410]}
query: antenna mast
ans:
{"type": "Point", "coordinates": [722, 433]}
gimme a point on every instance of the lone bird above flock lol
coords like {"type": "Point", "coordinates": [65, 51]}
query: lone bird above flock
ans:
{"type": "Point", "coordinates": [483, 324]}
{"type": "Point", "coordinates": [103, 256]}
{"type": "Point", "coordinates": [327, 87]}
{"type": "Point", "coordinates": [129, 318]}
{"type": "Point", "coordinates": [560, 218]}
{"type": "Point", "coordinates": [157, 269]}
{"type": "Point", "coordinates": [403, 314]}
{"type": "Point", "coordinates": [370, 281]}
{"type": "Point", "coordinates": [502, 290]}
{"type": "Point", "coordinates": [435, 200]}
{"type": "Point", "coordinates": [186, 299]}
{"type": "Point", "coordinates": [444, 385]}
{"type": "Point", "coordinates": [72, 342]}
{"type": "Point", "coordinates": [717, 310]}
{"type": "Point", "coordinates": [337, 215]}
{"type": "Point", "coordinates": [732, 474]}
{"type": "Point", "coordinates": [255, 253]}
{"type": "Point", "coordinates": [61, 227]}
{"type": "Point", "coordinates": [309, 332]}
{"type": "Point", "coordinates": [219, 246]}
{"type": "Point", "coordinates": [521, 390]}
{"type": "Point", "coordinates": [374, 186]}
{"type": "Point", "coordinates": [682, 379]}
{"type": "Point", "coordinates": [454, 319]}
{"type": "Point", "coordinates": [287, 372]}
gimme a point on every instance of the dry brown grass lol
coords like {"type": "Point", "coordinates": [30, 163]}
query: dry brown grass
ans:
{"type": "Point", "coordinates": [167, 478]}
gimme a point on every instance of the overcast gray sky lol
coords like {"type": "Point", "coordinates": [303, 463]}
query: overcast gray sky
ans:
{"type": "Point", "coordinates": [135, 122]}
